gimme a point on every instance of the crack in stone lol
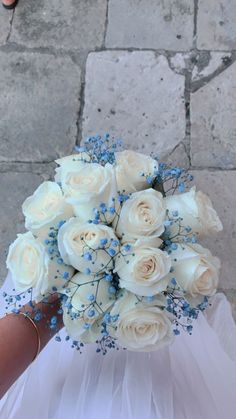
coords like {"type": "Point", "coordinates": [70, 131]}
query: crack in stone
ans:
{"type": "Point", "coordinates": [187, 98]}
{"type": "Point", "coordinates": [79, 122]}
{"type": "Point", "coordinates": [77, 56]}
{"type": "Point", "coordinates": [213, 168]}
{"type": "Point", "coordinates": [11, 25]}
{"type": "Point", "coordinates": [15, 47]}
{"type": "Point", "coordinates": [195, 16]}
{"type": "Point", "coordinates": [196, 85]}
{"type": "Point", "coordinates": [44, 170]}
{"type": "Point", "coordinates": [175, 148]}
{"type": "Point", "coordinates": [106, 26]}
{"type": "Point", "coordinates": [26, 162]}
{"type": "Point", "coordinates": [73, 53]}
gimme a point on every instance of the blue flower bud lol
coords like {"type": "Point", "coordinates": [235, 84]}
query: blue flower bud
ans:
{"type": "Point", "coordinates": [114, 243]}
{"type": "Point", "coordinates": [91, 313]}
{"type": "Point", "coordinates": [53, 320]}
{"type": "Point", "coordinates": [112, 290]}
{"type": "Point", "coordinates": [103, 242]}
{"type": "Point", "coordinates": [111, 252]}
{"type": "Point", "coordinates": [91, 297]}
{"type": "Point", "coordinates": [127, 248]}
{"type": "Point", "coordinates": [173, 281]}
{"type": "Point", "coordinates": [87, 256]}
{"type": "Point", "coordinates": [108, 277]}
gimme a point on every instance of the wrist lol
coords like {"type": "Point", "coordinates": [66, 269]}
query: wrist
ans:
{"type": "Point", "coordinates": [47, 316]}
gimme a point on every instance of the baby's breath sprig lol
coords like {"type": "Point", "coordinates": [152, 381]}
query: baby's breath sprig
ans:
{"type": "Point", "coordinates": [98, 149]}
{"type": "Point", "coordinates": [168, 180]}
{"type": "Point", "coordinates": [181, 309]}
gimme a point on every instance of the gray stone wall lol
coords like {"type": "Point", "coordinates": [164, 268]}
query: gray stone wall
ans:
{"type": "Point", "coordinates": [161, 74]}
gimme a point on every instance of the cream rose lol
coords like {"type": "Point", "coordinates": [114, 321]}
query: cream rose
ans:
{"type": "Point", "coordinates": [45, 208]}
{"type": "Point", "coordinates": [143, 269]}
{"type": "Point", "coordinates": [31, 266]}
{"type": "Point", "coordinates": [142, 215]}
{"type": "Point", "coordinates": [87, 247]}
{"type": "Point", "coordinates": [195, 269]}
{"type": "Point", "coordinates": [130, 168]}
{"type": "Point", "coordinates": [196, 211]}
{"type": "Point", "coordinates": [87, 186]}
{"type": "Point", "coordinates": [88, 299]}
{"type": "Point", "coordinates": [140, 327]}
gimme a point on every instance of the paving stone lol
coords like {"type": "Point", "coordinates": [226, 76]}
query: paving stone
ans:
{"type": "Point", "coordinates": [207, 63]}
{"type": "Point", "coordinates": [39, 103]}
{"type": "Point", "coordinates": [5, 19]}
{"type": "Point", "coordinates": [213, 118]}
{"type": "Point", "coordinates": [216, 25]}
{"type": "Point", "coordinates": [220, 185]}
{"type": "Point", "coordinates": [134, 96]}
{"type": "Point", "coordinates": [71, 24]}
{"type": "Point", "coordinates": [150, 24]}
{"type": "Point", "coordinates": [14, 188]}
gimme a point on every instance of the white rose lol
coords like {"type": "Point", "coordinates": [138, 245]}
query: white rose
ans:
{"type": "Point", "coordinates": [88, 299]}
{"type": "Point", "coordinates": [195, 269]}
{"type": "Point", "coordinates": [143, 269]}
{"type": "Point", "coordinates": [207, 214]}
{"type": "Point", "coordinates": [45, 208]}
{"type": "Point", "coordinates": [142, 215]}
{"type": "Point", "coordinates": [140, 327]}
{"type": "Point", "coordinates": [71, 162]}
{"type": "Point", "coordinates": [130, 166]}
{"type": "Point", "coordinates": [195, 208]}
{"type": "Point", "coordinates": [87, 247]}
{"type": "Point", "coordinates": [87, 186]}
{"type": "Point", "coordinates": [31, 266]}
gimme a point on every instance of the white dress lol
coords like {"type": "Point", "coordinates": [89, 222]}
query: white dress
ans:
{"type": "Point", "coordinates": [194, 378]}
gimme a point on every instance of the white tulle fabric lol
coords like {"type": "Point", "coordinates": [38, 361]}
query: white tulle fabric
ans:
{"type": "Point", "coordinates": [195, 378]}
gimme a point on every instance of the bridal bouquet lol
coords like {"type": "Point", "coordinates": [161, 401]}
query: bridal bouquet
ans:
{"type": "Point", "coordinates": [116, 236]}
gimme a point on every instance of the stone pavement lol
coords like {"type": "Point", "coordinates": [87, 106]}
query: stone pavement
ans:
{"type": "Point", "coordinates": [161, 74]}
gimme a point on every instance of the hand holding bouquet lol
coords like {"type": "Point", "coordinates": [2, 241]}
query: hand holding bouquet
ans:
{"type": "Point", "coordinates": [116, 236]}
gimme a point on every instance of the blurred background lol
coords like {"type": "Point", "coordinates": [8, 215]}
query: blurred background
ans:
{"type": "Point", "coordinates": [160, 74]}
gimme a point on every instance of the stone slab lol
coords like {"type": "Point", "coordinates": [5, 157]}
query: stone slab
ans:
{"type": "Point", "coordinates": [216, 25]}
{"type": "Point", "coordinates": [5, 19]}
{"type": "Point", "coordinates": [137, 97]}
{"type": "Point", "coordinates": [14, 188]}
{"type": "Point", "coordinates": [154, 24]}
{"type": "Point", "coordinates": [220, 185]}
{"type": "Point", "coordinates": [213, 118]}
{"type": "Point", "coordinates": [39, 104]}
{"type": "Point", "coordinates": [70, 24]}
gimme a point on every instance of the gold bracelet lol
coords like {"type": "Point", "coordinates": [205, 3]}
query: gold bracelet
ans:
{"type": "Point", "coordinates": [38, 335]}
